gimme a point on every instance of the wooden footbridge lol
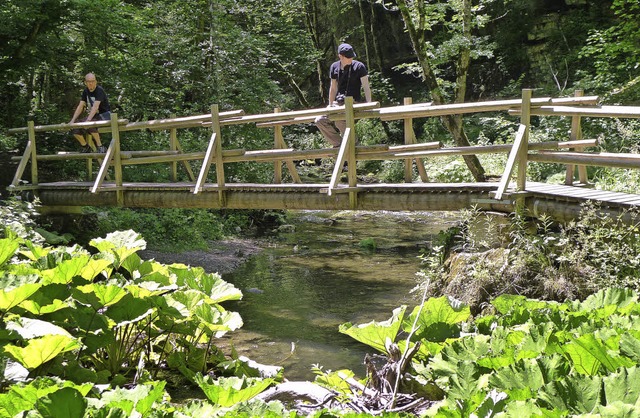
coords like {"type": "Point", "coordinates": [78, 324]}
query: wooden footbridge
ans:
{"type": "Point", "coordinates": [207, 186]}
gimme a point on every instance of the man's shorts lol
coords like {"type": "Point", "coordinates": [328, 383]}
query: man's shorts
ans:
{"type": "Point", "coordinates": [97, 117]}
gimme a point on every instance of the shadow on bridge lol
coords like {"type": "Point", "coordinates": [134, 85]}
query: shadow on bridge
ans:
{"type": "Point", "coordinates": [207, 189]}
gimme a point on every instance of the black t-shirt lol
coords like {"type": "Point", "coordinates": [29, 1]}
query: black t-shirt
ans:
{"type": "Point", "coordinates": [89, 97]}
{"type": "Point", "coordinates": [348, 78]}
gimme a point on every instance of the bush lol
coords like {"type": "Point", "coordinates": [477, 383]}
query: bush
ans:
{"type": "Point", "coordinates": [542, 260]}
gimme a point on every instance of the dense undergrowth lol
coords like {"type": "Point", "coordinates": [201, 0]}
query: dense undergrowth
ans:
{"type": "Point", "coordinates": [534, 258]}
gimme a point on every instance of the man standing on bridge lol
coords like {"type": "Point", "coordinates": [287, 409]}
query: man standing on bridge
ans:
{"type": "Point", "coordinates": [348, 77]}
{"type": "Point", "coordinates": [98, 106]}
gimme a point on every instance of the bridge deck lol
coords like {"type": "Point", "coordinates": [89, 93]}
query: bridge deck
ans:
{"type": "Point", "coordinates": [558, 201]}
{"type": "Point", "coordinates": [572, 193]}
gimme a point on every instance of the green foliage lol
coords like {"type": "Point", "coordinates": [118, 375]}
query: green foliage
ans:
{"type": "Point", "coordinates": [541, 357]}
{"type": "Point", "coordinates": [543, 260]}
{"type": "Point", "coordinates": [167, 229]}
{"type": "Point", "coordinates": [102, 314]}
{"type": "Point", "coordinates": [613, 50]}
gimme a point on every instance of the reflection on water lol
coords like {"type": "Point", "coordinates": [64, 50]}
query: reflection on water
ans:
{"type": "Point", "coordinates": [311, 280]}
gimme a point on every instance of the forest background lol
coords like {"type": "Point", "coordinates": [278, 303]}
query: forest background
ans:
{"type": "Point", "coordinates": [168, 57]}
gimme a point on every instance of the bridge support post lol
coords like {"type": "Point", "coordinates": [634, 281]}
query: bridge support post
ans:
{"type": "Point", "coordinates": [525, 119]}
{"type": "Point", "coordinates": [351, 151]}
{"type": "Point", "coordinates": [173, 146]}
{"type": "Point", "coordinates": [117, 161]}
{"type": "Point", "coordinates": [410, 138]}
{"type": "Point", "coordinates": [576, 134]}
{"type": "Point", "coordinates": [34, 158]}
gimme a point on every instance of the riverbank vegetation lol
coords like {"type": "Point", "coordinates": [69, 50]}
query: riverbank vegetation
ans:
{"type": "Point", "coordinates": [100, 332]}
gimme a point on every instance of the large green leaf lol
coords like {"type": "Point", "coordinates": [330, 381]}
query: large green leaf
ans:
{"type": "Point", "coordinates": [623, 386]}
{"type": "Point", "coordinates": [141, 398]}
{"type": "Point", "coordinates": [129, 309]}
{"type": "Point", "coordinates": [630, 345]}
{"type": "Point", "coordinates": [437, 319]}
{"type": "Point", "coordinates": [24, 397]}
{"type": "Point", "coordinates": [29, 328]}
{"type": "Point", "coordinates": [229, 391]}
{"type": "Point", "coordinates": [98, 295]}
{"type": "Point", "coordinates": [40, 350]}
{"type": "Point", "coordinates": [217, 320]}
{"type": "Point", "coordinates": [521, 380]}
{"type": "Point", "coordinates": [574, 394]}
{"type": "Point", "coordinates": [610, 297]}
{"type": "Point", "coordinates": [66, 270]}
{"type": "Point", "coordinates": [64, 403]}
{"type": "Point", "coordinates": [211, 285]}
{"type": "Point", "coordinates": [8, 248]}
{"type": "Point", "coordinates": [10, 298]}
{"type": "Point", "coordinates": [121, 244]}
{"type": "Point", "coordinates": [588, 354]}
{"type": "Point", "coordinates": [376, 334]}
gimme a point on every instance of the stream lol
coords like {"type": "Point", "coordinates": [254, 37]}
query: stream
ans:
{"type": "Point", "coordinates": [320, 271]}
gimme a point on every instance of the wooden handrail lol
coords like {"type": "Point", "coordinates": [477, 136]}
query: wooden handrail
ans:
{"type": "Point", "coordinates": [69, 126]}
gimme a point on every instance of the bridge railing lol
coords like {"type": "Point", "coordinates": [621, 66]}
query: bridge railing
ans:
{"type": "Point", "coordinates": [520, 153]}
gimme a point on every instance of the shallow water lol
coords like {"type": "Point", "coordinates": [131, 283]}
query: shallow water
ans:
{"type": "Point", "coordinates": [318, 276]}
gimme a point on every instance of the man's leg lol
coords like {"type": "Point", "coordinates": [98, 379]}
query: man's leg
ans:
{"type": "Point", "coordinates": [80, 138]}
{"type": "Point", "coordinates": [329, 130]}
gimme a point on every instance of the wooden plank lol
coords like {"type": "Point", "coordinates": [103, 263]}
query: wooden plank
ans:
{"type": "Point", "coordinates": [215, 125]}
{"type": "Point", "coordinates": [525, 119]}
{"type": "Point", "coordinates": [511, 161]}
{"type": "Point", "coordinates": [341, 158]}
{"type": "Point", "coordinates": [206, 164]}
{"type": "Point", "coordinates": [587, 158]}
{"type": "Point", "coordinates": [600, 112]}
{"type": "Point", "coordinates": [272, 117]}
{"type": "Point", "coordinates": [400, 112]}
{"type": "Point", "coordinates": [34, 156]}
{"type": "Point", "coordinates": [104, 167]}
{"type": "Point", "coordinates": [409, 139]}
{"type": "Point", "coordinates": [181, 122]}
{"type": "Point", "coordinates": [68, 126]}
{"type": "Point", "coordinates": [26, 155]}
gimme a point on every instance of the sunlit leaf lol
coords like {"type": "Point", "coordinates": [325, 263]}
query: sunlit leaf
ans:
{"type": "Point", "coordinates": [35, 252]}
{"type": "Point", "coordinates": [623, 386]}
{"type": "Point", "coordinates": [211, 285]}
{"type": "Point", "coordinates": [13, 297]}
{"type": "Point", "coordinates": [588, 354]}
{"type": "Point", "coordinates": [37, 309]}
{"type": "Point", "coordinates": [98, 295]}
{"type": "Point", "coordinates": [29, 328]}
{"type": "Point", "coordinates": [229, 391]}
{"type": "Point", "coordinates": [66, 270]}
{"type": "Point", "coordinates": [121, 244]}
{"type": "Point", "coordinates": [216, 318]}
{"type": "Point", "coordinates": [94, 267]}
{"type": "Point", "coordinates": [610, 296]}
{"type": "Point", "coordinates": [8, 248]}
{"type": "Point", "coordinates": [40, 350]}
{"type": "Point", "coordinates": [575, 394]}
{"type": "Point", "coordinates": [437, 319]}
{"type": "Point", "coordinates": [141, 398]}
{"type": "Point", "coordinates": [375, 334]}
{"type": "Point", "coordinates": [66, 402]}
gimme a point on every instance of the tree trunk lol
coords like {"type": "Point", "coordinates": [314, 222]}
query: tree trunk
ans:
{"type": "Point", "coordinates": [452, 123]}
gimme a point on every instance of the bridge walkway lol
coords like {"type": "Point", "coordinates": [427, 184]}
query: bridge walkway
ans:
{"type": "Point", "coordinates": [209, 188]}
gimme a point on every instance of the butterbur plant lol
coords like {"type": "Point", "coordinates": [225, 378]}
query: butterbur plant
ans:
{"type": "Point", "coordinates": [98, 317]}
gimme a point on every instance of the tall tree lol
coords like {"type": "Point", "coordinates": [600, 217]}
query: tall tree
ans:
{"type": "Point", "coordinates": [441, 33]}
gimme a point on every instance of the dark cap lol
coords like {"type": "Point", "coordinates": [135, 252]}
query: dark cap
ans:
{"type": "Point", "coordinates": [346, 50]}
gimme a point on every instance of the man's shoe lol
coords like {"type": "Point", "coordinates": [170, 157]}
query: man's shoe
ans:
{"type": "Point", "coordinates": [102, 149]}
{"type": "Point", "coordinates": [86, 149]}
